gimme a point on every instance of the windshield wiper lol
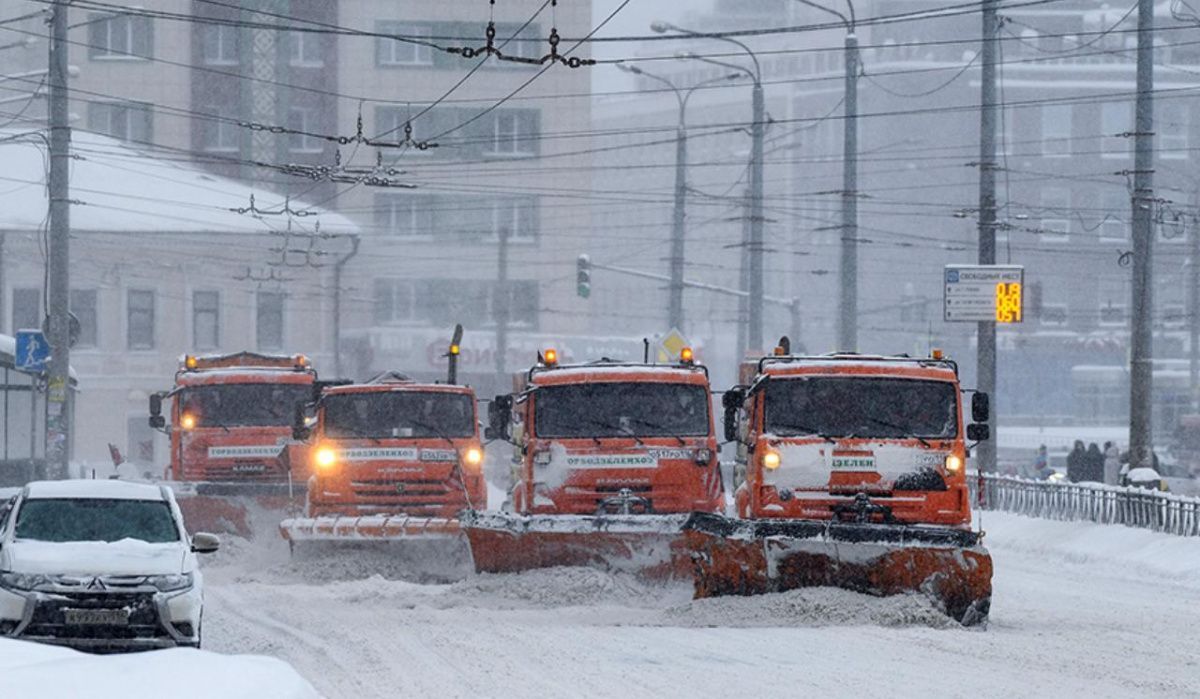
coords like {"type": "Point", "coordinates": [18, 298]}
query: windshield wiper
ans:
{"type": "Point", "coordinates": [904, 434]}
{"type": "Point", "coordinates": [657, 426]}
{"type": "Point", "coordinates": [437, 431]}
{"type": "Point", "coordinates": [807, 430]}
{"type": "Point", "coordinates": [359, 433]}
{"type": "Point", "coordinates": [609, 425]}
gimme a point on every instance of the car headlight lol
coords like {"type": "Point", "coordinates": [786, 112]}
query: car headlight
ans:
{"type": "Point", "coordinates": [171, 583]}
{"type": "Point", "coordinates": [22, 581]}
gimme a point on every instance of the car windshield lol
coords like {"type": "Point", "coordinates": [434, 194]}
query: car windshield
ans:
{"type": "Point", "coordinates": [862, 406]}
{"type": "Point", "coordinates": [616, 409]}
{"type": "Point", "coordinates": [384, 415]}
{"type": "Point", "coordinates": [247, 404]}
{"type": "Point", "coordinates": [63, 520]}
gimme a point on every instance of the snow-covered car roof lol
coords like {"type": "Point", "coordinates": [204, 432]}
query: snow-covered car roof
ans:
{"type": "Point", "coordinates": [106, 489]}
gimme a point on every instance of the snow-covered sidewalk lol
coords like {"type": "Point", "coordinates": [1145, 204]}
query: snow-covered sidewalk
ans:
{"type": "Point", "coordinates": [1078, 610]}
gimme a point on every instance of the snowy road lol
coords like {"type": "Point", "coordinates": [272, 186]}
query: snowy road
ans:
{"type": "Point", "coordinates": [1078, 610]}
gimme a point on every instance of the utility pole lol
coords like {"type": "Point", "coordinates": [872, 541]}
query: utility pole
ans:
{"type": "Point", "coordinates": [756, 217]}
{"type": "Point", "coordinates": [501, 303]}
{"type": "Point", "coordinates": [848, 325]}
{"type": "Point", "coordinates": [58, 423]}
{"type": "Point", "coordinates": [1141, 370]}
{"type": "Point", "coordinates": [337, 304]}
{"type": "Point", "coordinates": [676, 302]}
{"type": "Point", "coordinates": [986, 331]}
{"type": "Point", "coordinates": [1193, 305]}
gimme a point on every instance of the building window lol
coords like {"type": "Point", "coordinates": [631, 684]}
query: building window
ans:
{"type": "Point", "coordinates": [1056, 211]}
{"type": "Point", "coordinates": [405, 215]}
{"type": "Point", "coordinates": [1174, 315]}
{"type": "Point", "coordinates": [1056, 130]}
{"type": "Point", "coordinates": [206, 320]}
{"type": "Point", "coordinates": [393, 301]}
{"type": "Point", "coordinates": [396, 52]}
{"type": "Point", "coordinates": [1115, 118]}
{"type": "Point", "coordinates": [1053, 314]}
{"type": "Point", "coordinates": [1113, 224]}
{"type": "Point", "coordinates": [516, 216]}
{"type": "Point", "coordinates": [83, 307]}
{"type": "Point", "coordinates": [221, 45]}
{"type": "Point", "coordinates": [304, 119]}
{"type": "Point", "coordinates": [221, 137]}
{"type": "Point", "coordinates": [1172, 127]}
{"type": "Point", "coordinates": [1112, 314]}
{"type": "Point", "coordinates": [26, 309]}
{"type": "Point", "coordinates": [304, 49]}
{"type": "Point", "coordinates": [269, 320]}
{"type": "Point", "coordinates": [140, 309]}
{"type": "Point", "coordinates": [119, 36]}
{"type": "Point", "coordinates": [126, 121]}
{"type": "Point", "coordinates": [513, 133]}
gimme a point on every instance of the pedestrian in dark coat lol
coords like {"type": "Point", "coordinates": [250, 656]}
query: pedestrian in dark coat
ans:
{"type": "Point", "coordinates": [1094, 471]}
{"type": "Point", "coordinates": [1076, 462]}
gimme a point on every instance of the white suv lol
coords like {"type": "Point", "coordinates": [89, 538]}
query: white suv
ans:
{"type": "Point", "coordinates": [99, 565]}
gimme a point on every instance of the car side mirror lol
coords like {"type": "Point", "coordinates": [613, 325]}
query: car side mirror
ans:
{"type": "Point", "coordinates": [980, 407]}
{"type": "Point", "coordinates": [499, 417]}
{"type": "Point", "coordinates": [203, 542]}
{"type": "Point", "coordinates": [732, 402]}
{"type": "Point", "coordinates": [979, 432]}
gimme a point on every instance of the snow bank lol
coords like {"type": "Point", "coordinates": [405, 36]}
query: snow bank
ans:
{"type": "Point", "coordinates": [47, 672]}
{"type": "Point", "coordinates": [810, 607]}
{"type": "Point", "coordinates": [1132, 551]}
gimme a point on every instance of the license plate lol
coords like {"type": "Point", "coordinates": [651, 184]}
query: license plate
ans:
{"type": "Point", "coordinates": [96, 616]}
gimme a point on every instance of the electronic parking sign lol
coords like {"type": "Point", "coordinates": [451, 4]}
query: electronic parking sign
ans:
{"type": "Point", "coordinates": [984, 293]}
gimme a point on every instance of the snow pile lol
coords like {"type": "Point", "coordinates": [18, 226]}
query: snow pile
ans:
{"type": "Point", "coordinates": [564, 587]}
{"type": "Point", "coordinates": [810, 607]}
{"type": "Point", "coordinates": [1118, 548]}
{"type": "Point", "coordinates": [47, 672]}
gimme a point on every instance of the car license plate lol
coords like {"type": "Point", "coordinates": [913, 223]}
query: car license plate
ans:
{"type": "Point", "coordinates": [96, 616]}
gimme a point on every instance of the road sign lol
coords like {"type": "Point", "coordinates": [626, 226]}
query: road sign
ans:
{"type": "Point", "coordinates": [32, 351]}
{"type": "Point", "coordinates": [981, 293]}
{"type": "Point", "coordinates": [672, 344]}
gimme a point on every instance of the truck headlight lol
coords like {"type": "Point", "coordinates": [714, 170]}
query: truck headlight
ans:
{"type": "Point", "coordinates": [171, 583]}
{"type": "Point", "coordinates": [771, 460]}
{"type": "Point", "coordinates": [703, 456]}
{"type": "Point", "coordinates": [325, 458]}
{"type": "Point", "coordinates": [22, 581]}
{"type": "Point", "coordinates": [953, 463]}
{"type": "Point", "coordinates": [473, 456]}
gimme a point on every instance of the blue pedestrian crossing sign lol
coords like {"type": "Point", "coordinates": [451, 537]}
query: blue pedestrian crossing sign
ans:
{"type": "Point", "coordinates": [32, 351]}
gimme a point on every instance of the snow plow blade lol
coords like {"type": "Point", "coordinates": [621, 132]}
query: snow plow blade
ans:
{"type": "Point", "coordinates": [752, 557]}
{"type": "Point", "coordinates": [422, 549]}
{"type": "Point", "coordinates": [231, 508]}
{"type": "Point", "coordinates": [649, 546]}
{"type": "Point", "coordinates": [368, 528]}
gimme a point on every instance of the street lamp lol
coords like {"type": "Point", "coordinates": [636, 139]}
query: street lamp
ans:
{"type": "Point", "coordinates": [848, 300]}
{"type": "Point", "coordinates": [675, 306]}
{"type": "Point", "coordinates": [755, 334]}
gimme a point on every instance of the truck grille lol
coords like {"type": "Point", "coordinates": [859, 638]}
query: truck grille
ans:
{"type": "Point", "coordinates": [407, 494]}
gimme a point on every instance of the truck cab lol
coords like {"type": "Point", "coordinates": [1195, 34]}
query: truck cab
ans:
{"type": "Point", "coordinates": [394, 446]}
{"type": "Point", "coordinates": [610, 437]}
{"type": "Point", "coordinates": [231, 417]}
{"type": "Point", "coordinates": [846, 436]}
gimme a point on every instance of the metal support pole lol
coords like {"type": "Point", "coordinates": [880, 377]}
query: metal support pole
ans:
{"type": "Point", "coordinates": [337, 305]}
{"type": "Point", "coordinates": [676, 291]}
{"type": "Point", "coordinates": [848, 318]}
{"type": "Point", "coordinates": [58, 427]}
{"type": "Point", "coordinates": [986, 331]}
{"type": "Point", "coordinates": [1193, 307]}
{"type": "Point", "coordinates": [1141, 372]}
{"type": "Point", "coordinates": [501, 306]}
{"type": "Point", "coordinates": [756, 221]}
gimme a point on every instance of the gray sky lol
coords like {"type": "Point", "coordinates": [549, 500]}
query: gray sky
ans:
{"type": "Point", "coordinates": [634, 19]}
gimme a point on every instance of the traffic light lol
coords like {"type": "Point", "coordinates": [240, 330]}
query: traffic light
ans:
{"type": "Point", "coordinates": [583, 276]}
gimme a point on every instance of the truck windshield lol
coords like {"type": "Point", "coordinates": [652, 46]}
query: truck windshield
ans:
{"type": "Point", "coordinates": [862, 407]}
{"type": "Point", "coordinates": [386, 415]}
{"type": "Point", "coordinates": [244, 405]}
{"type": "Point", "coordinates": [614, 409]}
{"type": "Point", "coordinates": [94, 519]}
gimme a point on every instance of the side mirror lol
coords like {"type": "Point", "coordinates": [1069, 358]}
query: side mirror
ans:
{"type": "Point", "coordinates": [979, 432]}
{"type": "Point", "coordinates": [499, 416]}
{"type": "Point", "coordinates": [732, 402]}
{"type": "Point", "coordinates": [300, 430]}
{"type": "Point", "coordinates": [980, 407]}
{"type": "Point", "coordinates": [158, 422]}
{"type": "Point", "coordinates": [205, 543]}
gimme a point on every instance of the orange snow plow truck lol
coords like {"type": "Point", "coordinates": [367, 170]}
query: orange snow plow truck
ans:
{"type": "Point", "coordinates": [394, 461]}
{"type": "Point", "coordinates": [609, 459]}
{"type": "Point", "coordinates": [230, 428]}
{"type": "Point", "coordinates": [850, 473]}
